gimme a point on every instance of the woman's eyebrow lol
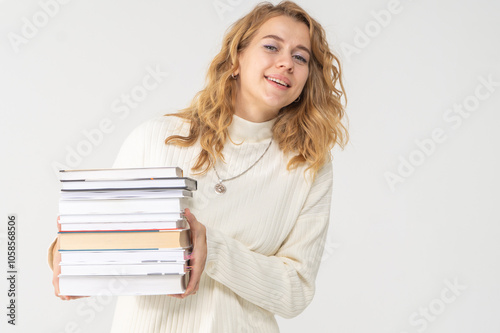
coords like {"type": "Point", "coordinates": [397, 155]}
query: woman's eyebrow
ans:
{"type": "Point", "coordinates": [278, 38]}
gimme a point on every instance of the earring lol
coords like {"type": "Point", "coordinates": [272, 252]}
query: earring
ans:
{"type": "Point", "coordinates": [297, 100]}
{"type": "Point", "coordinates": [234, 76]}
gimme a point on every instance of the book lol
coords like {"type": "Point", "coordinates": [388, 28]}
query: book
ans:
{"type": "Point", "coordinates": [103, 218]}
{"type": "Point", "coordinates": [123, 231]}
{"type": "Point", "coordinates": [123, 256]}
{"type": "Point", "coordinates": [122, 206]}
{"type": "Point", "coordinates": [117, 226]}
{"type": "Point", "coordinates": [120, 173]}
{"type": "Point", "coordinates": [124, 269]}
{"type": "Point", "coordinates": [165, 183]}
{"type": "Point", "coordinates": [125, 194]}
{"type": "Point", "coordinates": [92, 285]}
{"type": "Point", "coordinates": [146, 239]}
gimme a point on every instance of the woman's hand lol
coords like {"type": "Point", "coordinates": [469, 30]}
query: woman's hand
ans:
{"type": "Point", "coordinates": [198, 256]}
{"type": "Point", "coordinates": [56, 269]}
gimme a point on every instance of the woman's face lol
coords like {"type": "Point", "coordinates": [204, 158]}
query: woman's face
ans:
{"type": "Point", "coordinates": [273, 69]}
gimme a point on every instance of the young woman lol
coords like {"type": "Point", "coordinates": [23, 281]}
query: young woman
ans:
{"type": "Point", "coordinates": [257, 138]}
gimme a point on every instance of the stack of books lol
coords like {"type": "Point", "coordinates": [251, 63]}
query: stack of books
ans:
{"type": "Point", "coordinates": [123, 231]}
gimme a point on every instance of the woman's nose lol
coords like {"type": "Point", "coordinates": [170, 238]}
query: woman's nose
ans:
{"type": "Point", "coordinates": [285, 61]}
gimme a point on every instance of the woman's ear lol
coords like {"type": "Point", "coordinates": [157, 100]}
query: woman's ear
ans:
{"type": "Point", "coordinates": [235, 63]}
{"type": "Point", "coordinates": [236, 70]}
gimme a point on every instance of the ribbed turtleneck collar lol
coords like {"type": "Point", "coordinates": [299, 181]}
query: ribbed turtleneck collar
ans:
{"type": "Point", "coordinates": [243, 130]}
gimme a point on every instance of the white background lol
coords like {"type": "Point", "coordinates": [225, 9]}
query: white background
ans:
{"type": "Point", "coordinates": [393, 250]}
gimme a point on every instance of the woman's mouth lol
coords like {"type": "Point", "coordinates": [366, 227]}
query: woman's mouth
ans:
{"type": "Point", "coordinates": [277, 82]}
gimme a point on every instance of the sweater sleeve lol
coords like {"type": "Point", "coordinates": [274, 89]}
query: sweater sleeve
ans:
{"type": "Point", "coordinates": [283, 284]}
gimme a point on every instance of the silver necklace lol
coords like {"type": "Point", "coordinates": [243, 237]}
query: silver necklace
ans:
{"type": "Point", "coordinates": [221, 188]}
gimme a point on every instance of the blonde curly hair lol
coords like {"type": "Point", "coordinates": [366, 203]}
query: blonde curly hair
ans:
{"type": "Point", "coordinates": [308, 129]}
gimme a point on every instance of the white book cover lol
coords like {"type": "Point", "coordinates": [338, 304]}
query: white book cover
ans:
{"type": "Point", "coordinates": [120, 173]}
{"type": "Point", "coordinates": [115, 226]}
{"type": "Point", "coordinates": [174, 183]}
{"type": "Point", "coordinates": [124, 269]}
{"type": "Point", "coordinates": [111, 218]}
{"type": "Point", "coordinates": [125, 194]}
{"type": "Point", "coordinates": [124, 256]}
{"type": "Point", "coordinates": [122, 206]}
{"type": "Point", "coordinates": [126, 285]}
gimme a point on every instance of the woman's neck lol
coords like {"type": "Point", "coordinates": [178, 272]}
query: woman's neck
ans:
{"type": "Point", "coordinates": [254, 116]}
{"type": "Point", "coordinates": [251, 132]}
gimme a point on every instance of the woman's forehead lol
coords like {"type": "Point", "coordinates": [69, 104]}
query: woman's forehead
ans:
{"type": "Point", "coordinates": [287, 28]}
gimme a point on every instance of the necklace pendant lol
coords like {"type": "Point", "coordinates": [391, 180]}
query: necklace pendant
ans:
{"type": "Point", "coordinates": [220, 188]}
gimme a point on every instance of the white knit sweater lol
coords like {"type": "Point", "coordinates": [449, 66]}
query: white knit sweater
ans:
{"type": "Point", "coordinates": [265, 235]}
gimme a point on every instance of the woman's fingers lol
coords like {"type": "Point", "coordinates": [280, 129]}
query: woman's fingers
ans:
{"type": "Point", "coordinates": [56, 270]}
{"type": "Point", "coordinates": [199, 254]}
{"type": "Point", "coordinates": [56, 259]}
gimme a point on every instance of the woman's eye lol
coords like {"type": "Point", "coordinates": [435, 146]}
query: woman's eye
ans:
{"type": "Point", "coordinates": [300, 58]}
{"type": "Point", "coordinates": [271, 47]}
